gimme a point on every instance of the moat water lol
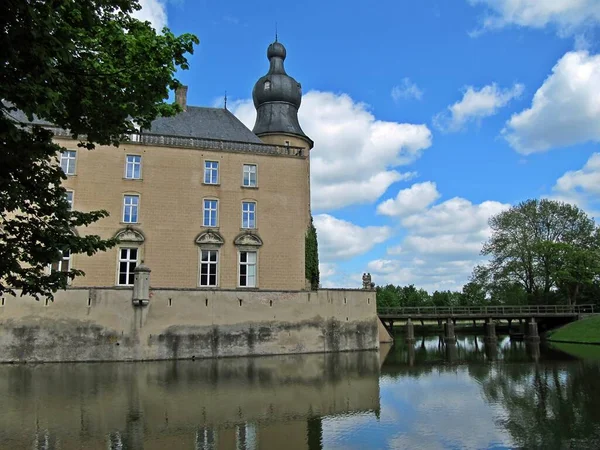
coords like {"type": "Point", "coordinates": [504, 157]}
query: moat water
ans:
{"type": "Point", "coordinates": [422, 396]}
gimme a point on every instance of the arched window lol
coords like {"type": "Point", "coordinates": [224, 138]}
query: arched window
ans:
{"type": "Point", "coordinates": [267, 85]}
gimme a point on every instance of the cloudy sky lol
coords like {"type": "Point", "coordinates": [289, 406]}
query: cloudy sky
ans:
{"type": "Point", "coordinates": [428, 116]}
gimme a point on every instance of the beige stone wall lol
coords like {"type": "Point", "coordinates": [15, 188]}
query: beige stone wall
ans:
{"type": "Point", "coordinates": [103, 325]}
{"type": "Point", "coordinates": [170, 214]}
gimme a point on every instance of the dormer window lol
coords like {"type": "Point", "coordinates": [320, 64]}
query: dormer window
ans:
{"type": "Point", "coordinates": [267, 85]}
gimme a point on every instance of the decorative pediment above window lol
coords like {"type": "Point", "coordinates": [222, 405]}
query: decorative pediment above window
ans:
{"type": "Point", "coordinates": [248, 240]}
{"type": "Point", "coordinates": [130, 235]}
{"type": "Point", "coordinates": [209, 238]}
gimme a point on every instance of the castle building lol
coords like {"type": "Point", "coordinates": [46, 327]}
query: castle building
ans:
{"type": "Point", "coordinates": [199, 198]}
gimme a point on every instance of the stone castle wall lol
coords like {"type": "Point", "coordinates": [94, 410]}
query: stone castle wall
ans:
{"type": "Point", "coordinates": [102, 324]}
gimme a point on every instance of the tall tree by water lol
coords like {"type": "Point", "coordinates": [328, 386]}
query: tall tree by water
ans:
{"type": "Point", "coordinates": [86, 66]}
{"type": "Point", "coordinates": [547, 249]}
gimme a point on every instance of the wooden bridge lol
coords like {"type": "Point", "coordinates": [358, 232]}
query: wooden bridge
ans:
{"type": "Point", "coordinates": [528, 316]}
{"type": "Point", "coordinates": [485, 312]}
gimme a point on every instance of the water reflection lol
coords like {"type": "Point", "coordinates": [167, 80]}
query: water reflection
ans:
{"type": "Point", "coordinates": [246, 403]}
{"type": "Point", "coordinates": [428, 394]}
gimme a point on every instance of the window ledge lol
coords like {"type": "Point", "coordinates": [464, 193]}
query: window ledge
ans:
{"type": "Point", "coordinates": [211, 184]}
{"type": "Point", "coordinates": [133, 179]}
{"type": "Point", "coordinates": [130, 223]}
{"type": "Point", "coordinates": [249, 187]}
{"type": "Point", "coordinates": [249, 229]}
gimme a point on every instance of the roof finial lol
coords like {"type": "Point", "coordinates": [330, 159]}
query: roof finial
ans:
{"type": "Point", "coordinates": [275, 31]}
{"type": "Point", "coordinates": [225, 102]}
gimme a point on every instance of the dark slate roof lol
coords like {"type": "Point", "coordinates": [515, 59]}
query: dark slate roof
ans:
{"type": "Point", "coordinates": [19, 116]}
{"type": "Point", "coordinates": [206, 123]}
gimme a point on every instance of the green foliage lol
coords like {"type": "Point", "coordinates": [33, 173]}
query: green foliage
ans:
{"type": "Point", "coordinates": [311, 259]}
{"type": "Point", "coordinates": [541, 251]}
{"type": "Point", "coordinates": [391, 296]}
{"type": "Point", "coordinates": [85, 66]}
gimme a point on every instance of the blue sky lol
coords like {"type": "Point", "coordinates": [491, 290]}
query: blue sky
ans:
{"type": "Point", "coordinates": [428, 116]}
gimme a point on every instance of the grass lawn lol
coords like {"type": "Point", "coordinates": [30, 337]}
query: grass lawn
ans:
{"type": "Point", "coordinates": [585, 331]}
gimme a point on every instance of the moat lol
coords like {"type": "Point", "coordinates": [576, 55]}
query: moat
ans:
{"type": "Point", "coordinates": [426, 395]}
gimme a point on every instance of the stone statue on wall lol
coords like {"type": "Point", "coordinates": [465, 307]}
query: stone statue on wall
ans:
{"type": "Point", "coordinates": [366, 279]}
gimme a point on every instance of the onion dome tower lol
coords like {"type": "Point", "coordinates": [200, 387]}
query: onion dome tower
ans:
{"type": "Point", "coordinates": [277, 97]}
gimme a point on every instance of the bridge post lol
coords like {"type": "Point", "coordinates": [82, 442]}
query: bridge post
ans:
{"type": "Point", "coordinates": [449, 335]}
{"type": "Point", "coordinates": [490, 330]}
{"type": "Point", "coordinates": [410, 331]}
{"type": "Point", "coordinates": [491, 350]}
{"type": "Point", "coordinates": [532, 330]}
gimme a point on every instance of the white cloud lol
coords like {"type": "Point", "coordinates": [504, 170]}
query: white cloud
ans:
{"type": "Point", "coordinates": [454, 216]}
{"type": "Point", "coordinates": [568, 16]}
{"type": "Point", "coordinates": [383, 266]}
{"type": "Point", "coordinates": [565, 110]}
{"type": "Point", "coordinates": [476, 105]}
{"type": "Point", "coordinates": [339, 239]}
{"type": "Point", "coordinates": [355, 157]}
{"type": "Point", "coordinates": [411, 200]}
{"type": "Point", "coordinates": [326, 270]}
{"type": "Point", "coordinates": [442, 243]}
{"type": "Point", "coordinates": [581, 187]}
{"type": "Point", "coordinates": [406, 89]}
{"type": "Point", "coordinates": [153, 11]}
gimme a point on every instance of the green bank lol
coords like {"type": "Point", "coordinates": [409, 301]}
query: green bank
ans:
{"type": "Point", "coordinates": [585, 331]}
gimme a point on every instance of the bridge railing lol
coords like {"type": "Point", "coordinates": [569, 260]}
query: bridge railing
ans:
{"type": "Point", "coordinates": [492, 310]}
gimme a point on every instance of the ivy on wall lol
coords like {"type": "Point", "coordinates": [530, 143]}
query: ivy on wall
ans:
{"type": "Point", "coordinates": [311, 248]}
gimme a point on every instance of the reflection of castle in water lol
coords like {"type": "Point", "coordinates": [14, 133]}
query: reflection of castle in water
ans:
{"type": "Point", "coordinates": [242, 403]}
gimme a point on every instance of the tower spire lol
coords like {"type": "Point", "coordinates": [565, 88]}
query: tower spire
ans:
{"type": "Point", "coordinates": [277, 97]}
{"type": "Point", "coordinates": [275, 31]}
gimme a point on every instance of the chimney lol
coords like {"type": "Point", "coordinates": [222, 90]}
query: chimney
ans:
{"type": "Point", "coordinates": [181, 96]}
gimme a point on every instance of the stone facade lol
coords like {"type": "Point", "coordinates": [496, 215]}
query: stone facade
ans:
{"type": "Point", "coordinates": [170, 212]}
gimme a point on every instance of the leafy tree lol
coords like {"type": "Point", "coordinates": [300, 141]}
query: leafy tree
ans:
{"type": "Point", "coordinates": [311, 257]}
{"type": "Point", "coordinates": [86, 66]}
{"type": "Point", "coordinates": [532, 242]}
{"type": "Point", "coordinates": [575, 267]}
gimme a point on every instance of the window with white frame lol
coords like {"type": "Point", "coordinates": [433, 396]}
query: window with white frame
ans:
{"type": "Point", "coordinates": [69, 197]}
{"type": "Point", "coordinates": [249, 175]}
{"type": "Point", "coordinates": [64, 262]}
{"type": "Point", "coordinates": [248, 214]}
{"type": "Point", "coordinates": [209, 262]}
{"type": "Point", "coordinates": [130, 208]}
{"type": "Point", "coordinates": [211, 172]}
{"type": "Point", "coordinates": [133, 167]}
{"type": "Point", "coordinates": [67, 161]}
{"type": "Point", "coordinates": [128, 258]}
{"type": "Point", "coordinates": [247, 269]}
{"type": "Point", "coordinates": [211, 213]}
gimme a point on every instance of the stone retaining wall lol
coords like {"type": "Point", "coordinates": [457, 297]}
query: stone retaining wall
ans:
{"type": "Point", "coordinates": [102, 324]}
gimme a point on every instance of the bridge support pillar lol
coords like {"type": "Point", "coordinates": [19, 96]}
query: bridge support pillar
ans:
{"type": "Point", "coordinates": [522, 329]}
{"type": "Point", "coordinates": [490, 330]}
{"type": "Point", "coordinates": [532, 330]}
{"type": "Point", "coordinates": [410, 331]}
{"type": "Point", "coordinates": [491, 350]}
{"type": "Point", "coordinates": [449, 335]}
